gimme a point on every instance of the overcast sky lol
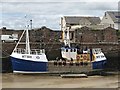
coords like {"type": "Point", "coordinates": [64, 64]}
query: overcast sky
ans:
{"type": "Point", "coordinates": [48, 12]}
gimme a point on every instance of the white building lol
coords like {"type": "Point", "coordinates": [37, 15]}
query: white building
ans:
{"type": "Point", "coordinates": [111, 19]}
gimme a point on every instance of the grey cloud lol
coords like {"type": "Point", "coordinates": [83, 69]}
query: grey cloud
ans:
{"type": "Point", "coordinates": [45, 8]}
{"type": "Point", "coordinates": [58, 0]}
{"type": "Point", "coordinates": [57, 8]}
{"type": "Point", "coordinates": [49, 13]}
{"type": "Point", "coordinates": [51, 21]}
{"type": "Point", "coordinates": [104, 5]}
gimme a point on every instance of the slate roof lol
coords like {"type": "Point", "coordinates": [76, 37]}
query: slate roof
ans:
{"type": "Point", "coordinates": [115, 16]}
{"type": "Point", "coordinates": [78, 19]}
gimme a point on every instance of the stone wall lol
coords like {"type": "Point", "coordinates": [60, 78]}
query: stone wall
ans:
{"type": "Point", "coordinates": [88, 35]}
{"type": "Point", "coordinates": [53, 50]}
{"type": "Point", "coordinates": [82, 35]}
{"type": "Point", "coordinates": [46, 38]}
{"type": "Point", "coordinates": [105, 39]}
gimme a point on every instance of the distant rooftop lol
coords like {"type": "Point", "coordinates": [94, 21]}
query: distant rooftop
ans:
{"type": "Point", "coordinates": [79, 19]}
{"type": "Point", "coordinates": [115, 15]}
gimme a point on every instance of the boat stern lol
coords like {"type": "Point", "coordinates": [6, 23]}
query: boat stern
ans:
{"type": "Point", "coordinates": [99, 64]}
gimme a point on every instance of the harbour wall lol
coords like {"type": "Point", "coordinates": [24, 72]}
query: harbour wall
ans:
{"type": "Point", "coordinates": [106, 39]}
{"type": "Point", "coordinates": [53, 51]}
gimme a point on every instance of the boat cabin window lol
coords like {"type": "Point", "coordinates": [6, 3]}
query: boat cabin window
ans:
{"type": "Point", "coordinates": [43, 51]}
{"type": "Point", "coordinates": [102, 56]}
{"type": "Point", "coordinates": [33, 52]}
{"type": "Point", "coordinates": [97, 56]}
{"type": "Point", "coordinates": [71, 50]}
{"type": "Point", "coordinates": [66, 50]}
{"type": "Point", "coordinates": [74, 50]}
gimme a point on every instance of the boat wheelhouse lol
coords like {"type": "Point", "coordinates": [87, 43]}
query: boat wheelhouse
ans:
{"type": "Point", "coordinates": [95, 56]}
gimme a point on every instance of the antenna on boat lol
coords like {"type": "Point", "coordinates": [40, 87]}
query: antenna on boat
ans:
{"type": "Point", "coordinates": [31, 24]}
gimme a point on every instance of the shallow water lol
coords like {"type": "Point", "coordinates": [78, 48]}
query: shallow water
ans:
{"type": "Point", "coordinates": [45, 81]}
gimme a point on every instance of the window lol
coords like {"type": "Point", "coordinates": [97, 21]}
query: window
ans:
{"type": "Point", "coordinates": [102, 56]}
{"type": "Point", "coordinates": [105, 14]}
{"type": "Point", "coordinates": [74, 50]}
{"type": "Point", "coordinates": [62, 49]}
{"type": "Point", "coordinates": [97, 56]}
{"type": "Point", "coordinates": [117, 16]}
{"type": "Point", "coordinates": [66, 50]}
{"type": "Point", "coordinates": [11, 37]}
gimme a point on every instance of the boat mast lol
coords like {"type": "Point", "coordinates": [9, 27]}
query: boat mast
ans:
{"type": "Point", "coordinates": [66, 37]}
{"type": "Point", "coordinates": [65, 33]}
{"type": "Point", "coordinates": [27, 40]}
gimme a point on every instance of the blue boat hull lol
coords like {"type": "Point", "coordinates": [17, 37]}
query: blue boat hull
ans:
{"type": "Point", "coordinates": [99, 64]}
{"type": "Point", "coordinates": [28, 66]}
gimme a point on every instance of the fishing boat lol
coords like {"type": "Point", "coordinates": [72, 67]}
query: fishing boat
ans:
{"type": "Point", "coordinates": [27, 60]}
{"type": "Point", "coordinates": [94, 56]}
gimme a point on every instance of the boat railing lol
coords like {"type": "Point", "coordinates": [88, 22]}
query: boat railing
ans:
{"type": "Point", "coordinates": [97, 50]}
{"type": "Point", "coordinates": [32, 51]}
{"type": "Point", "coordinates": [37, 51]}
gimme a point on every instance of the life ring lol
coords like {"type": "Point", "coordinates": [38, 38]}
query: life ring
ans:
{"type": "Point", "coordinates": [85, 57]}
{"type": "Point", "coordinates": [37, 57]}
{"type": "Point", "coordinates": [78, 57]}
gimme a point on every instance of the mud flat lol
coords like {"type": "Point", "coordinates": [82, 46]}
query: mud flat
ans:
{"type": "Point", "coordinates": [10, 80]}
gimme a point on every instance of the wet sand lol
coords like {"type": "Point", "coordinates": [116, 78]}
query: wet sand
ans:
{"type": "Point", "coordinates": [40, 81]}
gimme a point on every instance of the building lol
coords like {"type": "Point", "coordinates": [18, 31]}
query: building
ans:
{"type": "Point", "coordinates": [43, 34]}
{"type": "Point", "coordinates": [111, 19]}
{"type": "Point", "coordinates": [75, 21]}
{"type": "Point", "coordinates": [88, 35]}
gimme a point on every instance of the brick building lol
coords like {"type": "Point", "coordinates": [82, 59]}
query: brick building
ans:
{"type": "Point", "coordinates": [87, 35]}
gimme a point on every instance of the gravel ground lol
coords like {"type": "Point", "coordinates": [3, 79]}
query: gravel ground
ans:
{"type": "Point", "coordinates": [40, 81]}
